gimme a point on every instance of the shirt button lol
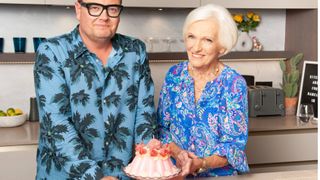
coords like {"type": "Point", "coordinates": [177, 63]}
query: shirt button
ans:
{"type": "Point", "coordinates": [104, 101]}
{"type": "Point", "coordinates": [107, 143]}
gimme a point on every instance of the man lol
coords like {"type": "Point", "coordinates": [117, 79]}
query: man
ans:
{"type": "Point", "coordinates": [95, 96]}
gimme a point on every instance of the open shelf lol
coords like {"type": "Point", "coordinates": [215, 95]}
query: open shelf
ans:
{"type": "Point", "coordinates": [28, 58]}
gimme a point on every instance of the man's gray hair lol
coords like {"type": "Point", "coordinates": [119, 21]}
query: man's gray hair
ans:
{"type": "Point", "coordinates": [81, 1]}
{"type": "Point", "coordinates": [228, 32]}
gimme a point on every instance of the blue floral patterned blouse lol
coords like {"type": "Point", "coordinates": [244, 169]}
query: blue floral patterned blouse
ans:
{"type": "Point", "coordinates": [216, 124]}
{"type": "Point", "coordinates": [91, 115]}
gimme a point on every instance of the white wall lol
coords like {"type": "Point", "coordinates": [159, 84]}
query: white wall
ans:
{"type": "Point", "coordinates": [17, 86]}
{"type": "Point", "coordinates": [47, 21]}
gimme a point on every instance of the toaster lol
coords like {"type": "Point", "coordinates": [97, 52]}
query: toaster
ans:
{"type": "Point", "coordinates": [265, 101]}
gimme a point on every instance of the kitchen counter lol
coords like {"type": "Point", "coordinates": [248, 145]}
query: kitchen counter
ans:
{"type": "Point", "coordinates": [27, 134]}
{"type": "Point", "coordinates": [284, 175]}
{"type": "Point", "coordinates": [278, 123]}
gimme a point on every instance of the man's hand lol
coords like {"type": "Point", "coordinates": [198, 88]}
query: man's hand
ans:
{"type": "Point", "coordinates": [109, 178]}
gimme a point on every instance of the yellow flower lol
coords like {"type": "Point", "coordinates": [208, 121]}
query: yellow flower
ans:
{"type": "Point", "coordinates": [246, 22]}
{"type": "Point", "coordinates": [238, 18]}
{"type": "Point", "coordinates": [256, 18]}
{"type": "Point", "coordinates": [250, 15]}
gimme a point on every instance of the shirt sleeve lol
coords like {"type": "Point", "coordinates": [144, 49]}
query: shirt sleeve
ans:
{"type": "Point", "coordinates": [57, 132]}
{"type": "Point", "coordinates": [163, 115]}
{"type": "Point", "coordinates": [146, 125]}
{"type": "Point", "coordinates": [234, 126]}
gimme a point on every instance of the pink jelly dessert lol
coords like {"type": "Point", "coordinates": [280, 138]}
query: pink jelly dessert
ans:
{"type": "Point", "coordinates": [152, 161]}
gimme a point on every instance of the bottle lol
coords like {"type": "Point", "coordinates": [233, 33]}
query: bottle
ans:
{"type": "Point", "coordinates": [33, 114]}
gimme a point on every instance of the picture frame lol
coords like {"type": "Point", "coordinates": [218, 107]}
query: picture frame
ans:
{"type": "Point", "coordinates": [308, 93]}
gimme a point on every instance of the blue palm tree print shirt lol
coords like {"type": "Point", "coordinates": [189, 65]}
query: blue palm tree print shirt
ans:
{"type": "Point", "coordinates": [216, 125]}
{"type": "Point", "coordinates": [91, 115]}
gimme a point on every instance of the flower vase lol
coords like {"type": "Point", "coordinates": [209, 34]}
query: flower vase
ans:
{"type": "Point", "coordinates": [290, 105]}
{"type": "Point", "coordinates": [244, 42]}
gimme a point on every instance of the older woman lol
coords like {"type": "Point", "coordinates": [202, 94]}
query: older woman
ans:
{"type": "Point", "coordinates": [203, 108]}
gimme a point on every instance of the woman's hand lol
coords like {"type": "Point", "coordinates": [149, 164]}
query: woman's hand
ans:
{"type": "Point", "coordinates": [196, 163]}
{"type": "Point", "coordinates": [184, 162]}
{"type": "Point", "coordinates": [109, 178]}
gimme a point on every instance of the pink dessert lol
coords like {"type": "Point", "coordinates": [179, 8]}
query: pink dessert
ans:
{"type": "Point", "coordinates": [152, 161]}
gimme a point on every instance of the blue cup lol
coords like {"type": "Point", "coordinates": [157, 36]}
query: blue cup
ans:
{"type": "Point", "coordinates": [37, 41]}
{"type": "Point", "coordinates": [19, 44]}
{"type": "Point", "coordinates": [1, 45]}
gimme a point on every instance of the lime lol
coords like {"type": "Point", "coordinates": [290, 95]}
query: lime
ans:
{"type": "Point", "coordinates": [10, 112]}
{"type": "Point", "coordinates": [2, 113]}
{"type": "Point", "coordinates": [18, 111]}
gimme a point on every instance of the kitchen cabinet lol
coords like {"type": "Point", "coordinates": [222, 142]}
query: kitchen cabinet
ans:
{"type": "Point", "coordinates": [233, 4]}
{"type": "Point", "coordinates": [140, 3]}
{"type": "Point", "coordinates": [281, 147]}
{"type": "Point", "coordinates": [60, 2]}
{"type": "Point", "coordinates": [264, 4]}
{"type": "Point", "coordinates": [34, 2]}
{"type": "Point", "coordinates": [162, 3]}
{"type": "Point", "coordinates": [18, 162]}
{"type": "Point", "coordinates": [281, 141]}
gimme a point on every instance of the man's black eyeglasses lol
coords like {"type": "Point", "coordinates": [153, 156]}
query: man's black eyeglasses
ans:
{"type": "Point", "coordinates": [96, 9]}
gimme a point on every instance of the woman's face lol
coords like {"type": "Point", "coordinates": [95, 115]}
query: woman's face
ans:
{"type": "Point", "coordinates": [202, 44]}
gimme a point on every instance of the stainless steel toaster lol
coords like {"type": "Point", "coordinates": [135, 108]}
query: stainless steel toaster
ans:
{"type": "Point", "coordinates": [265, 101]}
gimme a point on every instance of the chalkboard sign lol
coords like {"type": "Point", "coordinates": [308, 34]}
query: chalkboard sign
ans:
{"type": "Point", "coordinates": [309, 85]}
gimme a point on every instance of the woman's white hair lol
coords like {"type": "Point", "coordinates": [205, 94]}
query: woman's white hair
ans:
{"type": "Point", "coordinates": [228, 32]}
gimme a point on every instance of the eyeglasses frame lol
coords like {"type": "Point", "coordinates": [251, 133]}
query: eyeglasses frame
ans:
{"type": "Point", "coordinates": [104, 7]}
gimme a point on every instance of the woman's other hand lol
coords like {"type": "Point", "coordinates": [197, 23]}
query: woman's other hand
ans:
{"type": "Point", "coordinates": [184, 162]}
{"type": "Point", "coordinates": [196, 163]}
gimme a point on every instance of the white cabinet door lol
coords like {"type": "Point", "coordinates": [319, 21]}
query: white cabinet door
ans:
{"type": "Point", "coordinates": [60, 2]}
{"type": "Point", "coordinates": [162, 3]}
{"type": "Point", "coordinates": [265, 4]}
{"type": "Point", "coordinates": [40, 2]}
{"type": "Point", "coordinates": [18, 162]}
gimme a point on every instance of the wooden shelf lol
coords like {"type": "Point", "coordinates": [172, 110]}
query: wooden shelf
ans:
{"type": "Point", "coordinates": [28, 58]}
{"type": "Point", "coordinates": [17, 58]}
{"type": "Point", "coordinates": [231, 56]}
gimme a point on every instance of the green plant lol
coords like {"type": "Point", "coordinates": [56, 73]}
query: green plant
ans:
{"type": "Point", "coordinates": [291, 75]}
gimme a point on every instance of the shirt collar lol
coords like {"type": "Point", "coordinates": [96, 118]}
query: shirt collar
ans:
{"type": "Point", "coordinates": [80, 48]}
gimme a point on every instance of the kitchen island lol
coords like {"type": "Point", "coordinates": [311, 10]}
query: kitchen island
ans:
{"type": "Point", "coordinates": [273, 142]}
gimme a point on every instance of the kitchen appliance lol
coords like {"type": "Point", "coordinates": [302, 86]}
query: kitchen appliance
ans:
{"type": "Point", "coordinates": [265, 101]}
{"type": "Point", "coordinates": [249, 79]}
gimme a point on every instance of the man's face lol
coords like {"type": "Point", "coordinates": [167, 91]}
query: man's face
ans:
{"type": "Point", "coordinates": [98, 28]}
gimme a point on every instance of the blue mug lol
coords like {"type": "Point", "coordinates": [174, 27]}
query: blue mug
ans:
{"type": "Point", "coordinates": [1, 45]}
{"type": "Point", "coordinates": [37, 41]}
{"type": "Point", "coordinates": [19, 44]}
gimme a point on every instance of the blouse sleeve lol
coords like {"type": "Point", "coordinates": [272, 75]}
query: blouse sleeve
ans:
{"type": "Point", "coordinates": [234, 126]}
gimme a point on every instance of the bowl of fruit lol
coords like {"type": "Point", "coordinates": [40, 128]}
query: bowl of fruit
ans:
{"type": "Point", "coordinates": [12, 117]}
